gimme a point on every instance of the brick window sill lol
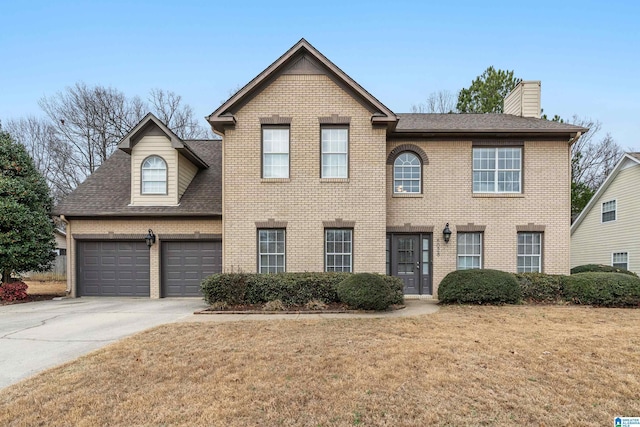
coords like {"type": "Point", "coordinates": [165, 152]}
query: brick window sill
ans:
{"type": "Point", "coordinates": [499, 195]}
{"type": "Point", "coordinates": [334, 180]}
{"type": "Point", "coordinates": [408, 195]}
{"type": "Point", "coordinates": [274, 180]}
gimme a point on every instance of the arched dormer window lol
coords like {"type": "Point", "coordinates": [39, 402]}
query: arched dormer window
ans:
{"type": "Point", "coordinates": [154, 175]}
{"type": "Point", "coordinates": [407, 173]}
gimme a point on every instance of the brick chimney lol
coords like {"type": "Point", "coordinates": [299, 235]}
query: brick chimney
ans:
{"type": "Point", "coordinates": [524, 100]}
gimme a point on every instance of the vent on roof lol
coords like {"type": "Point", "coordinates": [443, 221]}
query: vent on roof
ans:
{"type": "Point", "coordinates": [524, 100]}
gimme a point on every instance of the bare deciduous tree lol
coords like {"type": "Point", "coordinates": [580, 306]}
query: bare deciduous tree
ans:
{"type": "Point", "coordinates": [593, 157]}
{"type": "Point", "coordinates": [179, 117]}
{"type": "Point", "coordinates": [441, 101]}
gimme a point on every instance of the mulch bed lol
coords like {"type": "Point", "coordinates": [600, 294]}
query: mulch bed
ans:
{"type": "Point", "coordinates": [295, 309]}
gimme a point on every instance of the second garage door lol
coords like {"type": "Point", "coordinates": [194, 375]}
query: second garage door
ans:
{"type": "Point", "coordinates": [186, 263]}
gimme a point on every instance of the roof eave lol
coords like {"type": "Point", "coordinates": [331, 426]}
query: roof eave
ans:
{"type": "Point", "coordinates": [488, 132]}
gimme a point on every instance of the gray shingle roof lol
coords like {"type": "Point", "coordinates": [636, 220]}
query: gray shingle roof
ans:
{"type": "Point", "coordinates": [452, 123]}
{"type": "Point", "coordinates": [635, 155]}
{"type": "Point", "coordinates": [107, 192]}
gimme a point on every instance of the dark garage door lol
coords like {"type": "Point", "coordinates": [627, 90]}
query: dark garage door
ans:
{"type": "Point", "coordinates": [113, 268]}
{"type": "Point", "coordinates": [186, 263]}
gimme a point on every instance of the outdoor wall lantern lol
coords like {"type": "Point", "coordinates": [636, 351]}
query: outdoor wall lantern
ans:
{"type": "Point", "coordinates": [446, 233]}
{"type": "Point", "coordinates": [150, 238]}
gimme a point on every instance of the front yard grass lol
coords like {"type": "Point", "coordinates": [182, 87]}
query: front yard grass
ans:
{"type": "Point", "coordinates": [465, 365]}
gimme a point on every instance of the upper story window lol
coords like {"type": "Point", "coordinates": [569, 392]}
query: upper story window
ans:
{"type": "Point", "coordinates": [407, 175]}
{"type": "Point", "coordinates": [335, 152]}
{"type": "Point", "coordinates": [275, 152]}
{"type": "Point", "coordinates": [609, 211]}
{"type": "Point", "coordinates": [154, 175]}
{"type": "Point", "coordinates": [497, 170]}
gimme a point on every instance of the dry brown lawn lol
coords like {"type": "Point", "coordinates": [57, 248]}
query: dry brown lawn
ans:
{"type": "Point", "coordinates": [50, 287]}
{"type": "Point", "coordinates": [512, 365]}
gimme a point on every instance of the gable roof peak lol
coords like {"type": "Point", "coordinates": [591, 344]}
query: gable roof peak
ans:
{"type": "Point", "coordinates": [150, 121]}
{"type": "Point", "coordinates": [225, 114]}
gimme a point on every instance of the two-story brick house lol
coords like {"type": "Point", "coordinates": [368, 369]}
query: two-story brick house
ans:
{"type": "Point", "coordinates": [313, 173]}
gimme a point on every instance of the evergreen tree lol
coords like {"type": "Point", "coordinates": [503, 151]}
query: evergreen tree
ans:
{"type": "Point", "coordinates": [26, 229]}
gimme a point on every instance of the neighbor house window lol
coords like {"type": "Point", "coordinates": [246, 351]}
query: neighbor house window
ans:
{"type": "Point", "coordinates": [275, 152]}
{"type": "Point", "coordinates": [154, 175]}
{"type": "Point", "coordinates": [338, 249]}
{"type": "Point", "coordinates": [469, 250]}
{"type": "Point", "coordinates": [335, 152]}
{"type": "Point", "coordinates": [620, 260]}
{"type": "Point", "coordinates": [497, 170]}
{"type": "Point", "coordinates": [529, 252]}
{"type": "Point", "coordinates": [271, 250]}
{"type": "Point", "coordinates": [609, 211]}
{"type": "Point", "coordinates": [406, 173]}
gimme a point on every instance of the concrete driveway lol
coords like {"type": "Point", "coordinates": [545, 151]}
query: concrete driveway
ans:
{"type": "Point", "coordinates": [39, 335]}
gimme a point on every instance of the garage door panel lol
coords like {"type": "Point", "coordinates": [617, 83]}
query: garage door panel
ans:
{"type": "Point", "coordinates": [186, 263]}
{"type": "Point", "coordinates": [113, 268]}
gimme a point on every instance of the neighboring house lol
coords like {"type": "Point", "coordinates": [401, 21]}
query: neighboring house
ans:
{"type": "Point", "coordinates": [61, 241]}
{"type": "Point", "coordinates": [315, 174]}
{"type": "Point", "coordinates": [607, 231]}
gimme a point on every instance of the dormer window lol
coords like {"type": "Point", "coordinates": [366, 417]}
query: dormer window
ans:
{"type": "Point", "coordinates": [154, 175]}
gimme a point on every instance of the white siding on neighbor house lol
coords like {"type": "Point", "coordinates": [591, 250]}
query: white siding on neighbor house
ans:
{"type": "Point", "coordinates": [151, 145]}
{"type": "Point", "coordinates": [61, 241]}
{"type": "Point", "coordinates": [186, 172]}
{"type": "Point", "coordinates": [594, 242]}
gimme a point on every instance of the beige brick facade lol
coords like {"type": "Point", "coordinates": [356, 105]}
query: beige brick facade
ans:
{"type": "Point", "coordinates": [107, 227]}
{"type": "Point", "coordinates": [304, 200]}
{"type": "Point", "coordinates": [447, 197]}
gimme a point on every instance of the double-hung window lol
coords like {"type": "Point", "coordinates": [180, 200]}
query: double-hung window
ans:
{"type": "Point", "coordinates": [469, 250]}
{"type": "Point", "coordinates": [338, 249]}
{"type": "Point", "coordinates": [271, 250]}
{"type": "Point", "coordinates": [335, 152]}
{"type": "Point", "coordinates": [275, 152]}
{"type": "Point", "coordinates": [529, 252]}
{"type": "Point", "coordinates": [620, 260]}
{"type": "Point", "coordinates": [609, 211]}
{"type": "Point", "coordinates": [497, 170]}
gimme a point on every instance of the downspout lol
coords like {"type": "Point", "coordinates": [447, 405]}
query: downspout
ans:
{"type": "Point", "coordinates": [69, 252]}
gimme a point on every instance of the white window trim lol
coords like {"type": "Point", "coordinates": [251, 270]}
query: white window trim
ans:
{"type": "Point", "coordinates": [345, 153]}
{"type": "Point", "coordinates": [327, 253]}
{"type": "Point", "coordinates": [615, 210]}
{"type": "Point", "coordinates": [480, 256]}
{"type": "Point", "coordinates": [288, 152]}
{"type": "Point", "coordinates": [621, 252]}
{"type": "Point", "coordinates": [419, 179]}
{"type": "Point", "coordinates": [166, 177]}
{"type": "Point", "coordinates": [540, 269]}
{"type": "Point", "coordinates": [284, 254]}
{"type": "Point", "coordinates": [496, 171]}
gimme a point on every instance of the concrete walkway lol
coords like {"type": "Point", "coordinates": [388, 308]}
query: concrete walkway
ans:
{"type": "Point", "coordinates": [39, 335]}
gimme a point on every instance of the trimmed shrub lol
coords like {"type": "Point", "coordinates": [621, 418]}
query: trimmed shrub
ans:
{"type": "Point", "coordinates": [14, 291]}
{"type": "Point", "coordinates": [540, 287]}
{"type": "Point", "coordinates": [290, 288]}
{"type": "Point", "coordinates": [479, 287]}
{"type": "Point", "coordinates": [275, 305]}
{"type": "Point", "coordinates": [367, 291]}
{"type": "Point", "coordinates": [602, 289]}
{"type": "Point", "coordinates": [228, 287]}
{"type": "Point", "coordinates": [397, 286]}
{"type": "Point", "coordinates": [600, 268]}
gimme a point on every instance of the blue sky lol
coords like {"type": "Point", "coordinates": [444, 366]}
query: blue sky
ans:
{"type": "Point", "coordinates": [586, 53]}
